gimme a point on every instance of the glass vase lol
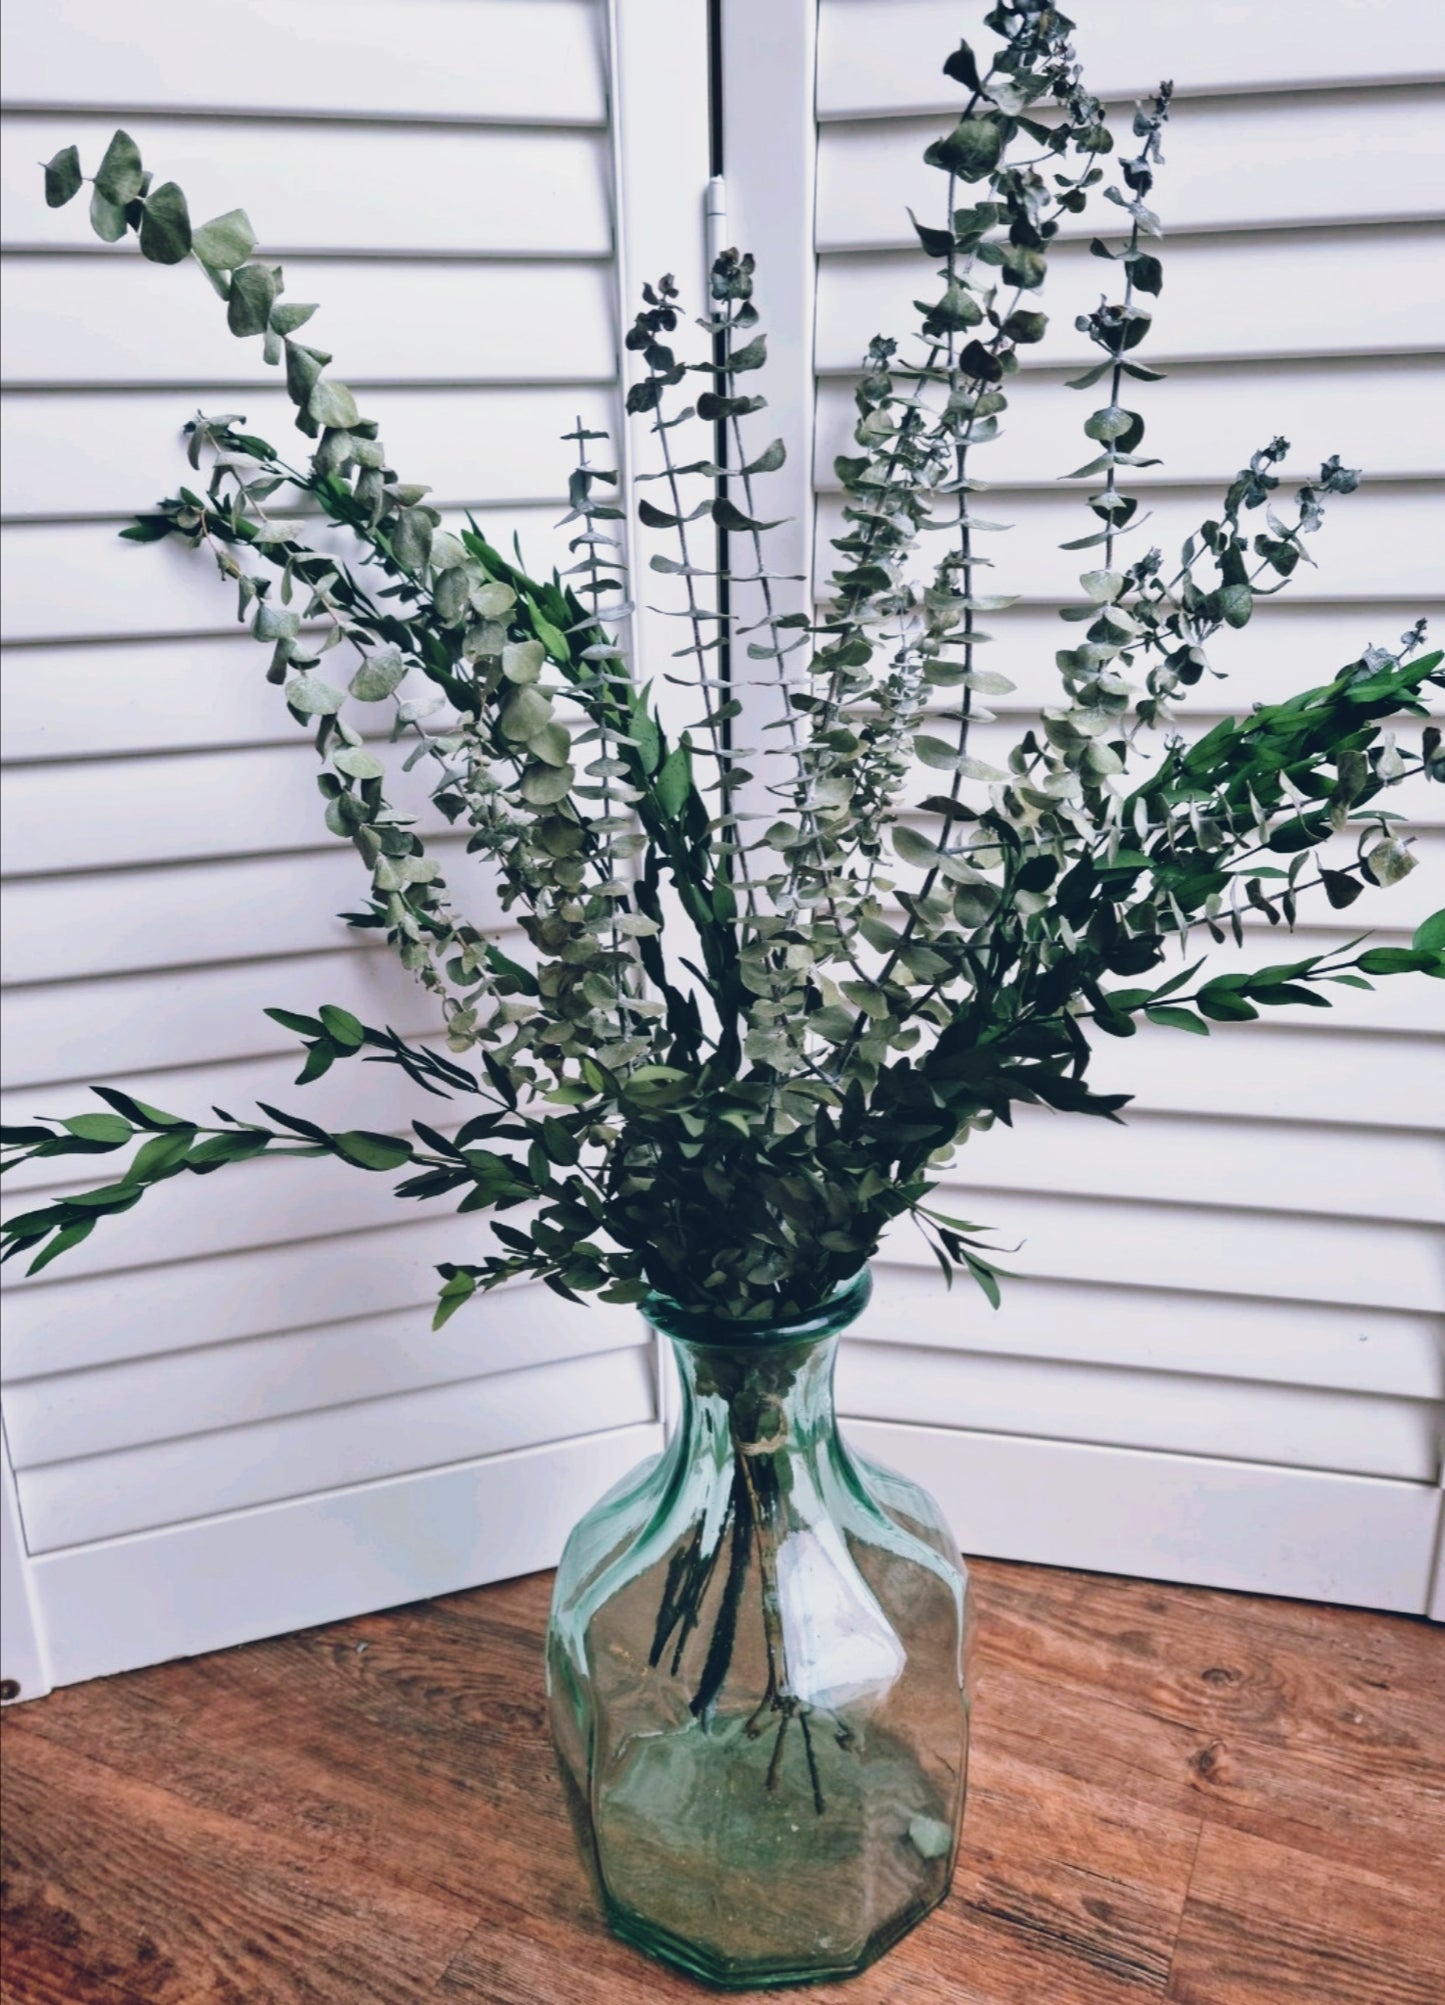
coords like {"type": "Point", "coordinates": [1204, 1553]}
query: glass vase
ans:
{"type": "Point", "coordinates": [756, 1673]}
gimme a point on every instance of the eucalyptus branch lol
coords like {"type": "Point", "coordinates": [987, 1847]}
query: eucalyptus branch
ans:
{"type": "Point", "coordinates": [740, 1134]}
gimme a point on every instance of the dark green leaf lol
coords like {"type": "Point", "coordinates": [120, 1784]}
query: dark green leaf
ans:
{"type": "Point", "coordinates": [344, 1028]}
{"type": "Point", "coordinates": [1399, 960]}
{"type": "Point", "coordinates": [68, 1236]}
{"type": "Point", "coordinates": [971, 151]}
{"type": "Point", "coordinates": [62, 178]}
{"type": "Point", "coordinates": [112, 1129]}
{"type": "Point", "coordinates": [165, 226]}
{"type": "Point", "coordinates": [372, 1152]}
{"type": "Point", "coordinates": [120, 177]}
{"type": "Point", "coordinates": [1172, 1017]}
{"type": "Point", "coordinates": [249, 299]}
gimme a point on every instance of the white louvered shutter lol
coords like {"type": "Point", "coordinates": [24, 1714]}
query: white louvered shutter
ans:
{"type": "Point", "coordinates": [1224, 1362]}
{"type": "Point", "coordinates": [228, 1417]}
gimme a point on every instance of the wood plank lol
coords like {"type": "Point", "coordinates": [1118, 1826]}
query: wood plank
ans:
{"type": "Point", "coordinates": [885, 55]}
{"type": "Point", "coordinates": [1234, 1252]}
{"type": "Point", "coordinates": [1240, 1709]}
{"type": "Point", "coordinates": [1266, 1922]}
{"type": "Point", "coordinates": [1324, 1536]}
{"type": "Point", "coordinates": [1283, 1426]}
{"type": "Point", "coordinates": [235, 1468]}
{"type": "Point", "coordinates": [106, 452]}
{"type": "Point", "coordinates": [160, 589]}
{"type": "Point", "coordinates": [1349, 156]}
{"type": "Point", "coordinates": [1394, 531]}
{"type": "Point", "coordinates": [367, 188]}
{"type": "Point", "coordinates": [251, 802]}
{"type": "Point", "coordinates": [1330, 1078]}
{"type": "Point", "coordinates": [1097, 1831]}
{"type": "Point", "coordinates": [201, 1016]}
{"type": "Point", "coordinates": [155, 1868]}
{"type": "Point", "coordinates": [386, 321]}
{"type": "Point", "coordinates": [1203, 420]}
{"type": "Point", "coordinates": [68, 1414]}
{"type": "Point", "coordinates": [493, 59]}
{"type": "Point", "coordinates": [1289, 645]}
{"type": "Point", "coordinates": [1160, 1330]}
{"type": "Point", "coordinates": [89, 1320]}
{"type": "Point", "coordinates": [214, 1582]}
{"type": "Point", "coordinates": [1297, 306]}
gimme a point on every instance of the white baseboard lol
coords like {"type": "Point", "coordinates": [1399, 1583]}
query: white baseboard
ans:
{"type": "Point", "coordinates": [1312, 1534]}
{"type": "Point", "coordinates": [206, 1585]}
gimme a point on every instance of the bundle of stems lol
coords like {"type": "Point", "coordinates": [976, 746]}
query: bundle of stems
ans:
{"type": "Point", "coordinates": [768, 991]}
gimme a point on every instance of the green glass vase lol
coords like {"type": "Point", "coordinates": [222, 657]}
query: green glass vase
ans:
{"type": "Point", "coordinates": [756, 1673]}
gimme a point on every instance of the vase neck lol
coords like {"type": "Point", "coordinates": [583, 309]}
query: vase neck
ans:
{"type": "Point", "coordinates": [757, 1400]}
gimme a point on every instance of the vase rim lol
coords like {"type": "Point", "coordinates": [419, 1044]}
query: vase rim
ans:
{"type": "Point", "coordinates": [837, 1309]}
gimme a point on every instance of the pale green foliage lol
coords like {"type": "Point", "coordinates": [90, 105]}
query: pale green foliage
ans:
{"type": "Point", "coordinates": [771, 988]}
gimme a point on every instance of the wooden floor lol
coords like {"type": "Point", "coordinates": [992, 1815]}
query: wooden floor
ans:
{"type": "Point", "coordinates": [1177, 1794]}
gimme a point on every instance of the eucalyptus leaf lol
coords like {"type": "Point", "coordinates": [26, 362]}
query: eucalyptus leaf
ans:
{"type": "Point", "coordinates": [165, 230]}
{"type": "Point", "coordinates": [312, 697]}
{"type": "Point", "coordinates": [62, 178]}
{"type": "Point", "coordinates": [225, 242]}
{"type": "Point", "coordinates": [378, 675]}
{"type": "Point", "coordinates": [120, 178]}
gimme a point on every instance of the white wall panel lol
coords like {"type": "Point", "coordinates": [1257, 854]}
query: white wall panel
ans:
{"type": "Point", "coordinates": [420, 185]}
{"type": "Point", "coordinates": [386, 321]}
{"type": "Point", "coordinates": [235, 1468]}
{"type": "Point", "coordinates": [880, 58]}
{"type": "Point", "coordinates": [1276, 294]}
{"type": "Point", "coordinates": [514, 61]}
{"type": "Point", "coordinates": [448, 197]}
{"type": "Point", "coordinates": [489, 445]}
{"type": "Point", "coordinates": [1224, 1360]}
{"type": "Point", "coordinates": [1348, 156]}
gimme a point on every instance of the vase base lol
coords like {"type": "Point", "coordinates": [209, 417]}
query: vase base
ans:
{"type": "Point", "coordinates": [770, 1974]}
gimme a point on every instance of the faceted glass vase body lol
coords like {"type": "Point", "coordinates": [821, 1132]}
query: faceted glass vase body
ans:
{"type": "Point", "coordinates": [756, 1674]}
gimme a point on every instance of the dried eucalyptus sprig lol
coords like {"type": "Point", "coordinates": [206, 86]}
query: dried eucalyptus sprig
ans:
{"type": "Point", "coordinates": [769, 989]}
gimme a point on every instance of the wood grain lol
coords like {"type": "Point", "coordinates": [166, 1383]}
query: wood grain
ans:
{"type": "Point", "coordinates": [1177, 1794]}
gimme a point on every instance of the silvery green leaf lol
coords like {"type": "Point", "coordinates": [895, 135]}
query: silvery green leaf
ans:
{"type": "Point", "coordinates": [1101, 759]}
{"type": "Point", "coordinates": [543, 786]}
{"type": "Point", "coordinates": [271, 347]}
{"type": "Point", "coordinates": [411, 538]}
{"type": "Point", "coordinates": [395, 873]}
{"type": "Point", "coordinates": [524, 713]}
{"type": "Point", "coordinates": [288, 315]}
{"type": "Point", "coordinates": [358, 764]}
{"type": "Point", "coordinates": [275, 622]}
{"type": "Point", "coordinates": [551, 744]}
{"type": "Point", "coordinates": [448, 552]}
{"type": "Point", "coordinates": [522, 660]}
{"type": "Point", "coordinates": [332, 404]}
{"type": "Point", "coordinates": [225, 242]}
{"type": "Point", "coordinates": [449, 595]}
{"type": "Point", "coordinates": [936, 752]}
{"type": "Point", "coordinates": [914, 848]}
{"type": "Point", "coordinates": [1102, 586]}
{"type": "Point", "coordinates": [378, 675]}
{"type": "Point", "coordinates": [974, 905]}
{"type": "Point", "coordinates": [418, 707]}
{"type": "Point", "coordinates": [493, 601]}
{"type": "Point", "coordinates": [1390, 860]}
{"type": "Point", "coordinates": [313, 697]}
